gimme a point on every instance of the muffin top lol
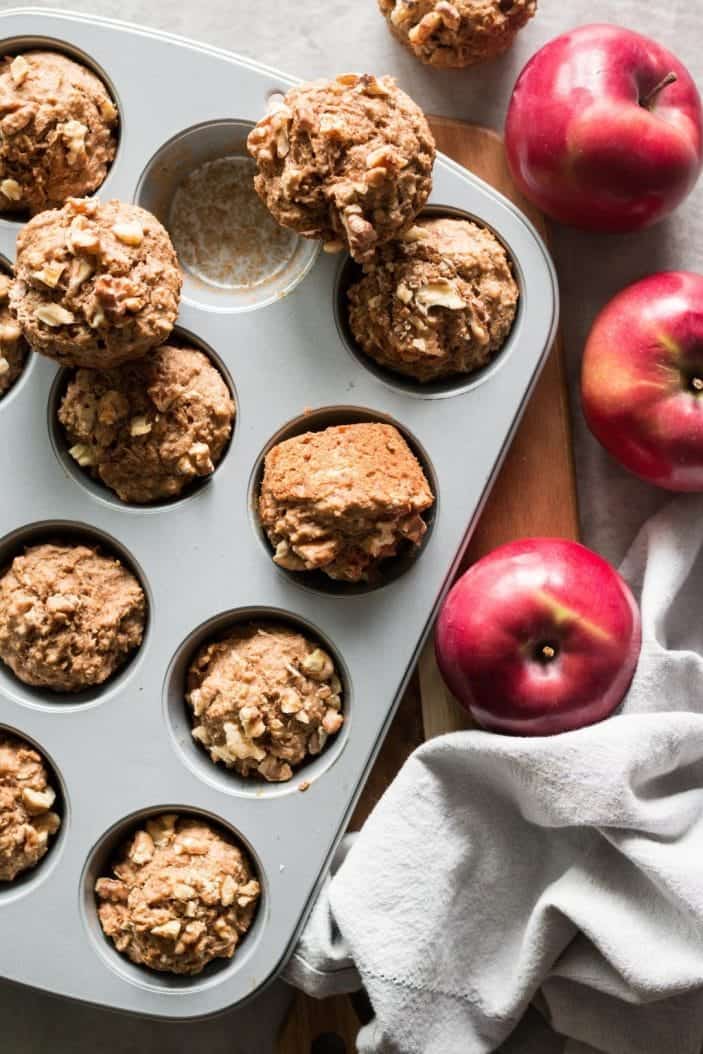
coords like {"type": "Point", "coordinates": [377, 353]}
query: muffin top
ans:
{"type": "Point", "coordinates": [26, 799]}
{"type": "Point", "coordinates": [264, 699]}
{"type": "Point", "coordinates": [149, 428]}
{"type": "Point", "coordinates": [183, 894]}
{"type": "Point", "coordinates": [69, 616]}
{"type": "Point", "coordinates": [97, 284]}
{"type": "Point", "coordinates": [343, 499]}
{"type": "Point", "coordinates": [451, 34]}
{"type": "Point", "coordinates": [348, 161]}
{"type": "Point", "coordinates": [440, 301]}
{"type": "Point", "coordinates": [58, 129]}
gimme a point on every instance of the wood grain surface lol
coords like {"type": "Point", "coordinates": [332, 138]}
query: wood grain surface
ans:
{"type": "Point", "coordinates": [535, 494]}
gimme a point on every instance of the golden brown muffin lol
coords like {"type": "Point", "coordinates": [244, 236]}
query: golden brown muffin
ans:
{"type": "Point", "coordinates": [183, 894]}
{"type": "Point", "coordinates": [13, 346]}
{"type": "Point", "coordinates": [69, 616]}
{"type": "Point", "coordinates": [96, 284]}
{"type": "Point", "coordinates": [149, 428]}
{"type": "Point", "coordinates": [438, 302]}
{"type": "Point", "coordinates": [342, 500]}
{"type": "Point", "coordinates": [347, 161]}
{"type": "Point", "coordinates": [451, 34]}
{"type": "Point", "coordinates": [265, 699]}
{"type": "Point", "coordinates": [26, 797]}
{"type": "Point", "coordinates": [57, 131]}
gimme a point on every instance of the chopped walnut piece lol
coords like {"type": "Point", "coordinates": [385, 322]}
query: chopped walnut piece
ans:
{"type": "Point", "coordinates": [54, 315]}
{"type": "Point", "coordinates": [129, 232]}
{"type": "Point", "coordinates": [11, 189]}
{"type": "Point", "coordinates": [19, 68]}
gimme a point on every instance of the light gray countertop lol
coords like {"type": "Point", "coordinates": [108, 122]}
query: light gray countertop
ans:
{"type": "Point", "coordinates": [310, 38]}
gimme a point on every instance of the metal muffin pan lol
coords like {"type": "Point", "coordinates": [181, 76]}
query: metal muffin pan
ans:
{"type": "Point", "coordinates": [124, 750]}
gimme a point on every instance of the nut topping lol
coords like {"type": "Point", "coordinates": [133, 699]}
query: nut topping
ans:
{"type": "Point", "coordinates": [54, 315]}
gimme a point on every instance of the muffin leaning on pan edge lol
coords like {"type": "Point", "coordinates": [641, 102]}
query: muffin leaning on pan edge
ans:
{"type": "Point", "coordinates": [96, 284]}
{"type": "Point", "coordinates": [348, 161]}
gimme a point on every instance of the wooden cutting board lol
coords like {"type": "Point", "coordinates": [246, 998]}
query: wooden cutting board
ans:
{"type": "Point", "coordinates": [535, 494]}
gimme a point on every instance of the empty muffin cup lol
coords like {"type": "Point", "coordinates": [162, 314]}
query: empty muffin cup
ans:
{"type": "Point", "coordinates": [233, 253]}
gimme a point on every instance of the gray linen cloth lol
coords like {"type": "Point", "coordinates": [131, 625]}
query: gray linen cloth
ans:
{"type": "Point", "coordinates": [497, 869]}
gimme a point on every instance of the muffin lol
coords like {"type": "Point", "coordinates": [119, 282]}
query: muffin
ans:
{"type": "Point", "coordinates": [58, 131]}
{"type": "Point", "coordinates": [451, 34]}
{"type": "Point", "coordinates": [69, 616]}
{"type": "Point", "coordinates": [13, 346]}
{"type": "Point", "coordinates": [183, 894]}
{"type": "Point", "coordinates": [347, 161]}
{"type": "Point", "coordinates": [26, 797]}
{"type": "Point", "coordinates": [96, 284]}
{"type": "Point", "coordinates": [438, 302]}
{"type": "Point", "coordinates": [149, 428]}
{"type": "Point", "coordinates": [265, 699]}
{"type": "Point", "coordinates": [343, 500]}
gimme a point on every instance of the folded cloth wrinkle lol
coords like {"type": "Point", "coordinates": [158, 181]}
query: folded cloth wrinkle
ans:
{"type": "Point", "coordinates": [566, 870]}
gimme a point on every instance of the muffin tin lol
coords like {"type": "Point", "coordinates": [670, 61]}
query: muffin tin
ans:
{"type": "Point", "coordinates": [124, 750]}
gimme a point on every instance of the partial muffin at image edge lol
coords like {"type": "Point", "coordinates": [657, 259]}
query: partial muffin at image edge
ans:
{"type": "Point", "coordinates": [27, 819]}
{"type": "Point", "coordinates": [453, 34]}
{"type": "Point", "coordinates": [343, 500]}
{"type": "Point", "coordinates": [348, 161]}
{"type": "Point", "coordinates": [148, 429]}
{"type": "Point", "coordinates": [13, 347]}
{"type": "Point", "coordinates": [97, 284]}
{"type": "Point", "coordinates": [182, 893]}
{"type": "Point", "coordinates": [438, 302]}
{"type": "Point", "coordinates": [59, 131]}
{"type": "Point", "coordinates": [70, 616]}
{"type": "Point", "coordinates": [265, 698]}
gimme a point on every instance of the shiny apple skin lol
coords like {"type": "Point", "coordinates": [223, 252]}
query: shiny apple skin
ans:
{"type": "Point", "coordinates": [642, 359]}
{"type": "Point", "coordinates": [581, 145]}
{"type": "Point", "coordinates": [507, 607]}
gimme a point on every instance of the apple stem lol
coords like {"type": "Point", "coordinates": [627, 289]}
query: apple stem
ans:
{"type": "Point", "coordinates": [545, 653]}
{"type": "Point", "coordinates": [649, 100]}
{"type": "Point", "coordinates": [697, 384]}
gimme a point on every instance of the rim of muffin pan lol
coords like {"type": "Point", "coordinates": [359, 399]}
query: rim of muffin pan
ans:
{"type": "Point", "coordinates": [28, 881]}
{"type": "Point", "coordinates": [161, 177]}
{"type": "Point", "coordinates": [392, 568]}
{"type": "Point", "coordinates": [69, 531]}
{"type": "Point", "coordinates": [180, 722]}
{"type": "Point", "coordinates": [31, 357]}
{"type": "Point", "coordinates": [98, 865]}
{"type": "Point", "coordinates": [350, 272]}
{"type": "Point", "coordinates": [17, 45]}
{"type": "Point", "coordinates": [98, 490]}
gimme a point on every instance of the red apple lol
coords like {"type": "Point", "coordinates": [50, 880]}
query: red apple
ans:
{"type": "Point", "coordinates": [642, 379]}
{"type": "Point", "coordinates": [540, 636]}
{"type": "Point", "coordinates": [604, 130]}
